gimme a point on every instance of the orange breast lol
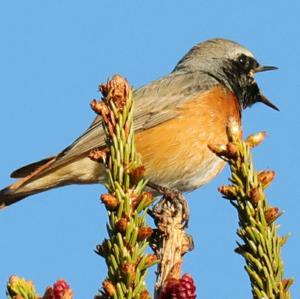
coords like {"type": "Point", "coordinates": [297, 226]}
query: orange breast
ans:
{"type": "Point", "coordinates": [175, 153]}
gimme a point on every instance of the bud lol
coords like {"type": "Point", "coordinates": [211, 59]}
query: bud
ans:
{"type": "Point", "coordinates": [129, 270]}
{"type": "Point", "coordinates": [103, 88]}
{"type": "Point", "coordinates": [256, 194]}
{"type": "Point", "coordinates": [14, 280]}
{"type": "Point", "coordinates": [111, 202]}
{"type": "Point", "coordinates": [231, 151]}
{"type": "Point", "coordinates": [135, 200]}
{"type": "Point", "coordinates": [137, 174]}
{"type": "Point", "coordinates": [121, 225]}
{"type": "Point", "coordinates": [117, 89]}
{"type": "Point", "coordinates": [272, 214]}
{"type": "Point", "coordinates": [227, 191]}
{"type": "Point", "coordinates": [218, 149]}
{"type": "Point", "coordinates": [233, 129]}
{"type": "Point", "coordinates": [151, 259]}
{"type": "Point", "coordinates": [146, 197]}
{"type": "Point", "coordinates": [255, 139]}
{"type": "Point", "coordinates": [61, 290]}
{"type": "Point", "coordinates": [100, 108]}
{"type": "Point", "coordinates": [109, 288]}
{"type": "Point", "coordinates": [144, 233]}
{"type": "Point", "coordinates": [144, 295]}
{"type": "Point", "coordinates": [266, 177]}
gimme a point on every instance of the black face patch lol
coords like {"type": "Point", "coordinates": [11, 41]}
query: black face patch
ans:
{"type": "Point", "coordinates": [250, 94]}
{"type": "Point", "coordinates": [239, 75]}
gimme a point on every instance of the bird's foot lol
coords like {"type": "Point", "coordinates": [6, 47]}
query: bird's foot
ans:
{"type": "Point", "coordinates": [172, 198]}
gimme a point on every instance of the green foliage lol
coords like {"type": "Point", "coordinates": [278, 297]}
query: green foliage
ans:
{"type": "Point", "coordinates": [126, 203]}
{"type": "Point", "coordinates": [261, 245]}
{"type": "Point", "coordinates": [20, 288]}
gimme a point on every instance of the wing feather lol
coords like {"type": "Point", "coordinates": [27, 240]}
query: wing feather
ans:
{"type": "Point", "coordinates": [155, 103]}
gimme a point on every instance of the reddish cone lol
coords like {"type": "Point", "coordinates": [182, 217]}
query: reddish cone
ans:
{"type": "Point", "coordinates": [184, 288]}
{"type": "Point", "coordinates": [61, 290]}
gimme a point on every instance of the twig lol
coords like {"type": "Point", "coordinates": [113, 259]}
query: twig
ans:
{"type": "Point", "coordinates": [170, 241]}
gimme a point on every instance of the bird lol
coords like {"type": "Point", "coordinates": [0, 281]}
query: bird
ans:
{"type": "Point", "coordinates": [175, 119]}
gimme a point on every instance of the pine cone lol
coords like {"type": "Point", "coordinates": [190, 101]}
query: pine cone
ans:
{"type": "Point", "coordinates": [184, 288]}
{"type": "Point", "coordinates": [61, 290]}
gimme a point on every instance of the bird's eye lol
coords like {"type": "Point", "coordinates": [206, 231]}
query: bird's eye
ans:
{"type": "Point", "coordinates": [243, 60]}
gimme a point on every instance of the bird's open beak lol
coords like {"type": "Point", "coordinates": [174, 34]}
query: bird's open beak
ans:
{"type": "Point", "coordinates": [262, 68]}
{"type": "Point", "coordinates": [261, 97]}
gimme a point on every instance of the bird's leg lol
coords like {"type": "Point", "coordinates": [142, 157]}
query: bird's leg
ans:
{"type": "Point", "coordinates": [176, 199]}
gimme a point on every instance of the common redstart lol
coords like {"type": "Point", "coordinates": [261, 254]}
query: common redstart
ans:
{"type": "Point", "coordinates": [175, 119]}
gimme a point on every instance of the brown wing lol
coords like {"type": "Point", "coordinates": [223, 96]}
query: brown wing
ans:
{"type": "Point", "coordinates": [155, 103]}
{"type": "Point", "coordinates": [30, 168]}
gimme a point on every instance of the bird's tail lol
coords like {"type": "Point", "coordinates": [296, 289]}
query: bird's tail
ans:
{"type": "Point", "coordinates": [22, 188]}
{"type": "Point", "coordinates": [8, 197]}
{"type": "Point", "coordinates": [39, 177]}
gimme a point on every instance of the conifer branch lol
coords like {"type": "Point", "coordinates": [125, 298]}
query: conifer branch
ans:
{"type": "Point", "coordinates": [261, 245]}
{"type": "Point", "coordinates": [19, 288]}
{"type": "Point", "coordinates": [126, 202]}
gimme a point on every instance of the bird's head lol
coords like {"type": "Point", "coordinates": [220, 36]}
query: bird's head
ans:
{"type": "Point", "coordinates": [230, 64]}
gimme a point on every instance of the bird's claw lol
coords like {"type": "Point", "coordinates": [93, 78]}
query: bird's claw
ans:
{"type": "Point", "coordinates": [175, 198]}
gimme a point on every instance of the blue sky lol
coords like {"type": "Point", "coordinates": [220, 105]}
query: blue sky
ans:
{"type": "Point", "coordinates": [53, 56]}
